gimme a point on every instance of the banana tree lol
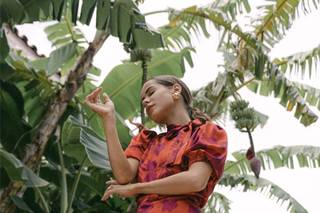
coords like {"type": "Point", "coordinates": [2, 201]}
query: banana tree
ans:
{"type": "Point", "coordinates": [247, 63]}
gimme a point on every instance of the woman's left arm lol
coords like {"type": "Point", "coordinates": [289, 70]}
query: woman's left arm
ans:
{"type": "Point", "coordinates": [193, 180]}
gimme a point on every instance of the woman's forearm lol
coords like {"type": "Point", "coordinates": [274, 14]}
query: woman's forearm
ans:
{"type": "Point", "coordinates": [181, 183]}
{"type": "Point", "coordinates": [119, 163]}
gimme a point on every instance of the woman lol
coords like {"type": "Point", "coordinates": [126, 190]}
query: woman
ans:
{"type": "Point", "coordinates": [175, 171]}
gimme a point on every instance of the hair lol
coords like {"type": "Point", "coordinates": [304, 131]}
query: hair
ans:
{"type": "Point", "coordinates": [169, 81]}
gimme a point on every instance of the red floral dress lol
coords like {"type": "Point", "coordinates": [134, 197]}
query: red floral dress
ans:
{"type": "Point", "coordinates": [172, 152]}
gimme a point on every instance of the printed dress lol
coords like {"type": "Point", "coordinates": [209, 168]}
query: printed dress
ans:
{"type": "Point", "coordinates": [165, 154]}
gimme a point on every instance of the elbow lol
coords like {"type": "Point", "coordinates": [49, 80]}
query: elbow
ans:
{"type": "Point", "coordinates": [126, 174]}
{"type": "Point", "coordinates": [199, 186]}
{"type": "Point", "coordinates": [202, 185]}
{"type": "Point", "coordinates": [124, 179]}
{"type": "Point", "coordinates": [198, 183]}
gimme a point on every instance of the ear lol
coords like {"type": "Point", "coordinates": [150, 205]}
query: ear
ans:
{"type": "Point", "coordinates": [176, 91]}
{"type": "Point", "coordinates": [176, 88]}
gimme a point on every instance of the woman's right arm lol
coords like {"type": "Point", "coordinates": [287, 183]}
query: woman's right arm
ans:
{"type": "Point", "coordinates": [124, 170]}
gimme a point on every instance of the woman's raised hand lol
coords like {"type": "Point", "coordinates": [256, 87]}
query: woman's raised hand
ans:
{"type": "Point", "coordinates": [105, 109]}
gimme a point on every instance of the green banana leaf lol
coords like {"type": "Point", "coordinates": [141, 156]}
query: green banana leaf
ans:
{"type": "Point", "coordinates": [276, 157]}
{"type": "Point", "coordinates": [4, 50]}
{"type": "Point", "coordinates": [121, 17]}
{"type": "Point", "coordinates": [94, 146]}
{"type": "Point", "coordinates": [60, 56]}
{"type": "Point", "coordinates": [17, 171]}
{"type": "Point", "coordinates": [269, 188]}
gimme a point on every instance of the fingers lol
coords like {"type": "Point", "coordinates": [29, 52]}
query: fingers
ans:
{"type": "Point", "coordinates": [111, 182]}
{"type": "Point", "coordinates": [93, 97]}
{"type": "Point", "coordinates": [108, 193]}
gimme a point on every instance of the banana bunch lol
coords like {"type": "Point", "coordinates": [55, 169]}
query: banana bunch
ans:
{"type": "Point", "coordinates": [244, 116]}
{"type": "Point", "coordinates": [246, 121]}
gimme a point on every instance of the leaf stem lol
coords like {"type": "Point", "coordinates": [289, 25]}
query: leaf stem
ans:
{"type": "Point", "coordinates": [42, 199]}
{"type": "Point", "coordinates": [234, 163]}
{"type": "Point", "coordinates": [245, 84]}
{"type": "Point", "coordinates": [75, 185]}
{"type": "Point", "coordinates": [251, 139]}
{"type": "Point", "coordinates": [144, 79]}
{"type": "Point", "coordinates": [64, 186]}
{"type": "Point", "coordinates": [156, 12]}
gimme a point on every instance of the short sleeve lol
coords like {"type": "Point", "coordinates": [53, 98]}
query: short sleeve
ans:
{"type": "Point", "coordinates": [138, 144]}
{"type": "Point", "coordinates": [210, 145]}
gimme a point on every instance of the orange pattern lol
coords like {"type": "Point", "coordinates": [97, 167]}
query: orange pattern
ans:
{"type": "Point", "coordinates": [169, 153]}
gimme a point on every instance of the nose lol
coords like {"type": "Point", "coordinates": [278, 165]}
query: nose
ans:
{"type": "Point", "coordinates": [145, 101]}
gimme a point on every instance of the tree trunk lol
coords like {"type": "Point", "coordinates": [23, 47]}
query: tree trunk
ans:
{"type": "Point", "coordinates": [34, 151]}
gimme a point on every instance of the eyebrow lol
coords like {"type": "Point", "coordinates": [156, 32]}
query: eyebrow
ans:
{"type": "Point", "coordinates": [146, 91]}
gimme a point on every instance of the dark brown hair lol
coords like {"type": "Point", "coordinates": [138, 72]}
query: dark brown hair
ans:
{"type": "Point", "coordinates": [169, 81]}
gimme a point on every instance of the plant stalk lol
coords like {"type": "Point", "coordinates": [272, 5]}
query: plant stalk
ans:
{"type": "Point", "coordinates": [64, 185]}
{"type": "Point", "coordinates": [75, 185]}
{"type": "Point", "coordinates": [43, 200]}
{"type": "Point", "coordinates": [144, 79]}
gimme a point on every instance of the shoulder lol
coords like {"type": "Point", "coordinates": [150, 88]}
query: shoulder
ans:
{"type": "Point", "coordinates": [209, 127]}
{"type": "Point", "coordinates": [139, 143]}
{"type": "Point", "coordinates": [210, 133]}
{"type": "Point", "coordinates": [144, 136]}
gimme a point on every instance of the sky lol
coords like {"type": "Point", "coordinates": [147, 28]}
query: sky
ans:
{"type": "Point", "coordinates": [281, 129]}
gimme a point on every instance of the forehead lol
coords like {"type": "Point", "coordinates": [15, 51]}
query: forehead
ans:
{"type": "Point", "coordinates": [149, 84]}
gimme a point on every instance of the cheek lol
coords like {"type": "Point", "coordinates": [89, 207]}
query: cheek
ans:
{"type": "Point", "coordinates": [167, 102]}
{"type": "Point", "coordinates": [163, 103]}
{"type": "Point", "coordinates": [162, 107]}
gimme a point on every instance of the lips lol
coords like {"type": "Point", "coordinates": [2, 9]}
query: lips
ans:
{"type": "Point", "coordinates": [149, 107]}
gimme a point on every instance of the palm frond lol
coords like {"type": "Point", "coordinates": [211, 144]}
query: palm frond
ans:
{"type": "Point", "coordinates": [63, 33]}
{"type": "Point", "coordinates": [231, 8]}
{"type": "Point", "coordinates": [291, 94]}
{"type": "Point", "coordinates": [213, 98]}
{"type": "Point", "coordinates": [180, 34]}
{"type": "Point", "coordinates": [310, 94]}
{"type": "Point", "coordinates": [264, 77]}
{"type": "Point", "coordinates": [210, 97]}
{"type": "Point", "coordinates": [193, 20]}
{"type": "Point", "coordinates": [218, 203]}
{"type": "Point", "coordinates": [121, 19]}
{"type": "Point", "coordinates": [276, 157]}
{"type": "Point", "coordinates": [300, 62]}
{"type": "Point", "coordinates": [249, 182]}
{"type": "Point", "coordinates": [279, 17]}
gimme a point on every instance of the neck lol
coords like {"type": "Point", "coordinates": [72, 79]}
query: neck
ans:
{"type": "Point", "coordinates": [178, 117]}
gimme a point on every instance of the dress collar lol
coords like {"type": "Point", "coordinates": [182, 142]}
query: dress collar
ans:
{"type": "Point", "coordinates": [173, 129]}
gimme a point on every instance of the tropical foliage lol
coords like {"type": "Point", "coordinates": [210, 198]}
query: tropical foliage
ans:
{"type": "Point", "coordinates": [52, 150]}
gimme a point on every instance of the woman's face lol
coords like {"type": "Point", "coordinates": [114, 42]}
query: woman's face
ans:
{"type": "Point", "coordinates": [157, 100]}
